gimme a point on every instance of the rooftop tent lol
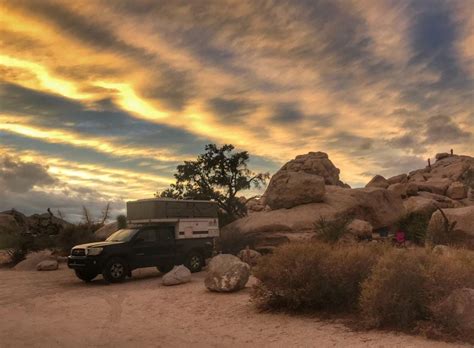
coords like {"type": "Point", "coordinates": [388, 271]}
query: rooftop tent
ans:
{"type": "Point", "coordinates": [159, 208]}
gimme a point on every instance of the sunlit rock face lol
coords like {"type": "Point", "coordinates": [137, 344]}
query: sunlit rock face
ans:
{"type": "Point", "coordinates": [315, 163]}
{"type": "Point", "coordinates": [300, 203]}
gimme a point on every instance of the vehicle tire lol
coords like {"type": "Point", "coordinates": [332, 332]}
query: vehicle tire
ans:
{"type": "Point", "coordinates": [165, 268]}
{"type": "Point", "coordinates": [86, 276]}
{"type": "Point", "coordinates": [194, 262]}
{"type": "Point", "coordinates": [115, 270]}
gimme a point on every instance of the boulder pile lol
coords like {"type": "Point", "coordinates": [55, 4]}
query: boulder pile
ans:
{"type": "Point", "coordinates": [308, 188]}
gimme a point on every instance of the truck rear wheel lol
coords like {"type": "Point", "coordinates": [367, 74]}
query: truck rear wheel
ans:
{"type": "Point", "coordinates": [86, 276]}
{"type": "Point", "coordinates": [194, 262]}
{"type": "Point", "coordinates": [115, 270]}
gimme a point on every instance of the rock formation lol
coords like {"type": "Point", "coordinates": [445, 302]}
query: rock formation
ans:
{"type": "Point", "coordinates": [289, 189]}
{"type": "Point", "coordinates": [295, 198]}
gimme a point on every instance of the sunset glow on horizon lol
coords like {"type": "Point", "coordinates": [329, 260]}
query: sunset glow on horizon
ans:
{"type": "Point", "coordinates": [101, 100]}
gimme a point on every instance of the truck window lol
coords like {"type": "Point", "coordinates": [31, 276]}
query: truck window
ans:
{"type": "Point", "coordinates": [166, 233]}
{"type": "Point", "coordinates": [148, 235]}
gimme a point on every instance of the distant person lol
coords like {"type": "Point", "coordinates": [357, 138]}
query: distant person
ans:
{"type": "Point", "coordinates": [400, 238]}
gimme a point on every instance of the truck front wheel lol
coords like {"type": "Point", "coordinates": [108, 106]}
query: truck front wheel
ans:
{"type": "Point", "coordinates": [115, 270]}
{"type": "Point", "coordinates": [86, 276]}
{"type": "Point", "coordinates": [194, 262]}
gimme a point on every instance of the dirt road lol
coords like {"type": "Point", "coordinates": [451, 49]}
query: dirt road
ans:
{"type": "Point", "coordinates": [54, 309]}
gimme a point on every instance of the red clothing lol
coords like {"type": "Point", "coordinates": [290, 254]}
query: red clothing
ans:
{"type": "Point", "coordinates": [400, 236]}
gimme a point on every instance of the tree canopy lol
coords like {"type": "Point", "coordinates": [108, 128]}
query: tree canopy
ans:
{"type": "Point", "coordinates": [218, 174]}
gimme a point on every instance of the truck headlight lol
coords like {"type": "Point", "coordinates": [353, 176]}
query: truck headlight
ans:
{"type": "Point", "coordinates": [93, 251]}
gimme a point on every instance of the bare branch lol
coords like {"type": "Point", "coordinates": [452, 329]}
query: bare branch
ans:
{"type": "Point", "coordinates": [105, 214]}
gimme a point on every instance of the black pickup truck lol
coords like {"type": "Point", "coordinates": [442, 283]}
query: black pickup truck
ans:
{"type": "Point", "coordinates": [138, 247]}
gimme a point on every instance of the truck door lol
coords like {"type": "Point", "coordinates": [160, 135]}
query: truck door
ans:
{"type": "Point", "coordinates": [166, 245]}
{"type": "Point", "coordinates": [145, 248]}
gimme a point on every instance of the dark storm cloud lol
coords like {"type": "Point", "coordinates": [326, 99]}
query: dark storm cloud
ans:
{"type": "Point", "coordinates": [350, 142]}
{"type": "Point", "coordinates": [287, 113]}
{"type": "Point", "coordinates": [18, 176]}
{"type": "Point", "coordinates": [442, 128]}
{"type": "Point", "coordinates": [231, 109]}
{"type": "Point", "coordinates": [434, 36]}
{"type": "Point", "coordinates": [102, 118]}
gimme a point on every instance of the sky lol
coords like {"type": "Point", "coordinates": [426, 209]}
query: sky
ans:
{"type": "Point", "coordinates": [101, 100]}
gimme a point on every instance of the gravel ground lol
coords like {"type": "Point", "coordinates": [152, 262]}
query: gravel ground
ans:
{"type": "Point", "coordinates": [54, 309]}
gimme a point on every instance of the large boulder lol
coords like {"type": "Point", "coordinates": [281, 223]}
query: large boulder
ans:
{"type": "Point", "coordinates": [463, 232]}
{"type": "Point", "coordinates": [377, 206]}
{"type": "Point", "coordinates": [440, 156]}
{"type": "Point", "coordinates": [457, 190]}
{"type": "Point", "coordinates": [32, 260]}
{"type": "Point", "coordinates": [454, 167]}
{"type": "Point", "coordinates": [106, 231]}
{"type": "Point", "coordinates": [412, 189]}
{"type": "Point", "coordinates": [315, 163]}
{"type": "Point", "coordinates": [399, 189]}
{"type": "Point", "coordinates": [290, 189]}
{"type": "Point", "coordinates": [378, 181]}
{"type": "Point", "coordinates": [426, 203]}
{"type": "Point", "coordinates": [227, 273]}
{"type": "Point", "coordinates": [398, 179]}
{"type": "Point", "coordinates": [457, 310]}
{"type": "Point", "coordinates": [47, 265]}
{"type": "Point", "coordinates": [438, 186]}
{"type": "Point", "coordinates": [249, 256]}
{"type": "Point", "coordinates": [178, 275]}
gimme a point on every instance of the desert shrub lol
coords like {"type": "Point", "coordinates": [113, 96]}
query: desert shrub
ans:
{"type": "Point", "coordinates": [121, 221]}
{"type": "Point", "coordinates": [331, 231]}
{"type": "Point", "coordinates": [74, 235]}
{"type": "Point", "coordinates": [415, 225]}
{"type": "Point", "coordinates": [16, 245]}
{"type": "Point", "coordinates": [312, 276]}
{"type": "Point", "coordinates": [448, 272]}
{"type": "Point", "coordinates": [395, 294]}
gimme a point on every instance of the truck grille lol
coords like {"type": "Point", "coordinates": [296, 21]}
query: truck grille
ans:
{"type": "Point", "coordinates": [78, 252]}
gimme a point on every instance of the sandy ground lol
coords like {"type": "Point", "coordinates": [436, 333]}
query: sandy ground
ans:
{"type": "Point", "coordinates": [54, 309]}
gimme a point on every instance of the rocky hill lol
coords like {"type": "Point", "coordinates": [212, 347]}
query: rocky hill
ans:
{"type": "Point", "coordinates": [15, 221]}
{"type": "Point", "coordinates": [308, 188]}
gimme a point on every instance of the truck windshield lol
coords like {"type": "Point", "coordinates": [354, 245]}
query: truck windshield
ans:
{"type": "Point", "coordinates": [122, 235]}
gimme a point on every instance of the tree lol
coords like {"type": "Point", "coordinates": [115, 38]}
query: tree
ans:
{"type": "Point", "coordinates": [219, 174]}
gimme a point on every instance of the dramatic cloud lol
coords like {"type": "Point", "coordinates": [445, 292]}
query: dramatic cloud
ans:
{"type": "Point", "coordinates": [112, 95]}
{"type": "Point", "coordinates": [22, 177]}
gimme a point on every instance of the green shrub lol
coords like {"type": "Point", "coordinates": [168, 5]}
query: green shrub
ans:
{"type": "Point", "coordinates": [312, 276]}
{"type": "Point", "coordinates": [415, 225]}
{"type": "Point", "coordinates": [331, 231]}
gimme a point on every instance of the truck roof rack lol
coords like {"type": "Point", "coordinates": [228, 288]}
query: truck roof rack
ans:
{"type": "Point", "coordinates": [162, 208]}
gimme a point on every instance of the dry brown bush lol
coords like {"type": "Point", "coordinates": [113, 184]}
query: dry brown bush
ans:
{"type": "Point", "coordinates": [386, 287]}
{"type": "Point", "coordinates": [395, 295]}
{"type": "Point", "coordinates": [313, 276]}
